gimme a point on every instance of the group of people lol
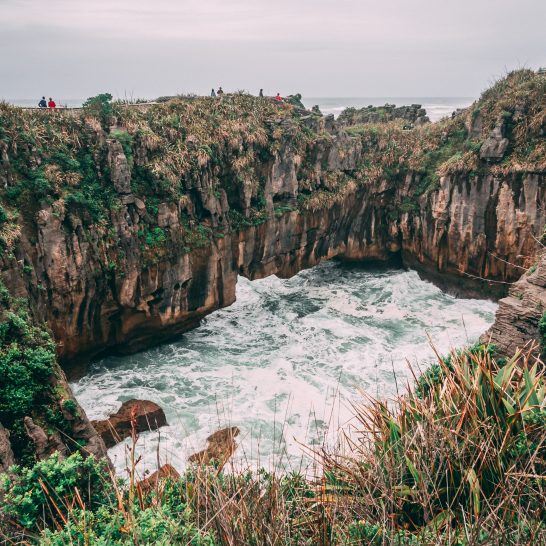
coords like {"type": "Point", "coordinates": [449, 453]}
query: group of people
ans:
{"type": "Point", "coordinates": [220, 92]}
{"type": "Point", "coordinates": [47, 104]}
{"type": "Point", "coordinates": [51, 103]}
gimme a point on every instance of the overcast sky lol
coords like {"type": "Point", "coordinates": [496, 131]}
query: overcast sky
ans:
{"type": "Point", "coordinates": [350, 48]}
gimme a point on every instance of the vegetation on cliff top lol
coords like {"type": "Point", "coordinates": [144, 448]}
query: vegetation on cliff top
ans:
{"type": "Point", "coordinates": [209, 158]}
{"type": "Point", "coordinates": [462, 463]}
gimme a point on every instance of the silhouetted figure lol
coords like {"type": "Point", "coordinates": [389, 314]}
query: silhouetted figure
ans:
{"type": "Point", "coordinates": [220, 91]}
{"type": "Point", "coordinates": [42, 103]}
{"type": "Point", "coordinates": [261, 93]}
{"type": "Point", "coordinates": [213, 94]}
{"type": "Point", "coordinates": [51, 103]}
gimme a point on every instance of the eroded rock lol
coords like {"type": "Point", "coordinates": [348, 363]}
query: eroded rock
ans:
{"type": "Point", "coordinates": [150, 483]}
{"type": "Point", "coordinates": [145, 415]}
{"type": "Point", "coordinates": [44, 445]}
{"type": "Point", "coordinates": [495, 146]}
{"type": "Point", "coordinates": [220, 447]}
{"type": "Point", "coordinates": [518, 315]}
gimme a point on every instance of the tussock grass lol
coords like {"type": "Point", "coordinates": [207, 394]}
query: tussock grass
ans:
{"type": "Point", "coordinates": [459, 460]}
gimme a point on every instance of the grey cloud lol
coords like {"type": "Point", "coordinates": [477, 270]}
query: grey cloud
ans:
{"type": "Point", "coordinates": [74, 48]}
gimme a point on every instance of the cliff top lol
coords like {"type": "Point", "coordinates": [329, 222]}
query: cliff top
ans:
{"type": "Point", "coordinates": [170, 148]}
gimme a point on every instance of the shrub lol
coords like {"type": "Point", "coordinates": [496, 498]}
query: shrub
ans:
{"type": "Point", "coordinates": [100, 106]}
{"type": "Point", "coordinates": [466, 449]}
{"type": "Point", "coordinates": [27, 356]}
{"type": "Point", "coordinates": [45, 493]}
{"type": "Point", "coordinates": [3, 215]}
{"type": "Point", "coordinates": [542, 334]}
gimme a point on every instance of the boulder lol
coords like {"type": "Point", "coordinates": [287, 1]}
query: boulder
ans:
{"type": "Point", "coordinates": [120, 170]}
{"type": "Point", "coordinates": [493, 148]}
{"type": "Point", "coordinates": [167, 215]}
{"type": "Point", "coordinates": [220, 447]}
{"type": "Point", "coordinates": [145, 414]}
{"type": "Point", "coordinates": [150, 483]}
{"type": "Point", "coordinates": [495, 145]}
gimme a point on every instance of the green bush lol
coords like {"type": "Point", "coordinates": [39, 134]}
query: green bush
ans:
{"type": "Point", "coordinates": [3, 215]}
{"type": "Point", "coordinates": [27, 355]}
{"type": "Point", "coordinates": [27, 365]}
{"type": "Point", "coordinates": [44, 493]}
{"type": "Point", "coordinates": [436, 373]}
{"type": "Point", "coordinates": [100, 106]}
{"type": "Point", "coordinates": [542, 333]}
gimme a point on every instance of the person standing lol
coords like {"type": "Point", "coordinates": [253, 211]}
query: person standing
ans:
{"type": "Point", "coordinates": [220, 91]}
{"type": "Point", "coordinates": [213, 94]}
{"type": "Point", "coordinates": [42, 103]}
{"type": "Point", "coordinates": [51, 103]}
{"type": "Point", "coordinates": [261, 93]}
{"type": "Point", "coordinates": [278, 97]}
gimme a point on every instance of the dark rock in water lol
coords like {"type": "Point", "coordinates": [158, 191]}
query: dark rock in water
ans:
{"type": "Point", "coordinates": [146, 415]}
{"type": "Point", "coordinates": [6, 454]}
{"type": "Point", "coordinates": [220, 447]}
{"type": "Point", "coordinates": [150, 483]}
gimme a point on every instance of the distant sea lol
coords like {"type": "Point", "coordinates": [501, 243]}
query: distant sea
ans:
{"type": "Point", "coordinates": [436, 107]}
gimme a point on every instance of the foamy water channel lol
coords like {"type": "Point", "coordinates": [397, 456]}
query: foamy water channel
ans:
{"type": "Point", "coordinates": [285, 362]}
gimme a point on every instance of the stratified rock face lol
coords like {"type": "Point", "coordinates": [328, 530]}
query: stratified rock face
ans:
{"type": "Point", "coordinates": [145, 415]}
{"type": "Point", "coordinates": [518, 315]}
{"type": "Point", "coordinates": [477, 227]}
{"type": "Point", "coordinates": [44, 444]}
{"type": "Point", "coordinates": [469, 227]}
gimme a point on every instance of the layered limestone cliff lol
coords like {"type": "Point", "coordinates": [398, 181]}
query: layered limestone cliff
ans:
{"type": "Point", "coordinates": [123, 228]}
{"type": "Point", "coordinates": [466, 229]}
{"type": "Point", "coordinates": [517, 320]}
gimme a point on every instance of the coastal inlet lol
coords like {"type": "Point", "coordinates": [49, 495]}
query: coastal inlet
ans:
{"type": "Point", "coordinates": [285, 362]}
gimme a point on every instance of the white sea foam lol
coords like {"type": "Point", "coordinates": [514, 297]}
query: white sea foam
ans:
{"type": "Point", "coordinates": [285, 361]}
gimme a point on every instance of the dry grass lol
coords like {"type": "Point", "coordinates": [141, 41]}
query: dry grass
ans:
{"type": "Point", "coordinates": [459, 460]}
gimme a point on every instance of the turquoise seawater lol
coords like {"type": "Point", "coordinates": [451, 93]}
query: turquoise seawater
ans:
{"type": "Point", "coordinates": [286, 362]}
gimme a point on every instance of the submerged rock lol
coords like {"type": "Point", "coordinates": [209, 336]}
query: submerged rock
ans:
{"type": "Point", "coordinates": [220, 447]}
{"type": "Point", "coordinates": [145, 414]}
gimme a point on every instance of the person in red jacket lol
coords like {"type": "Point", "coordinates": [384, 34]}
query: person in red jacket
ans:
{"type": "Point", "coordinates": [278, 98]}
{"type": "Point", "coordinates": [51, 103]}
